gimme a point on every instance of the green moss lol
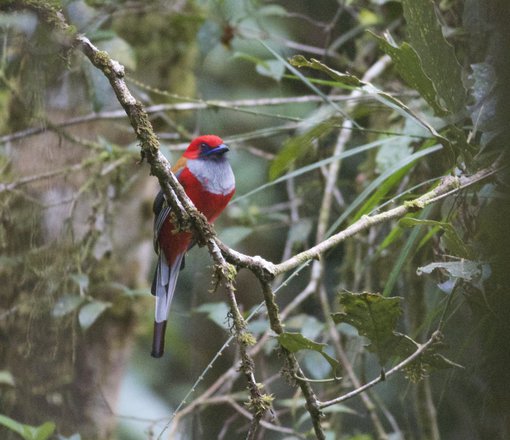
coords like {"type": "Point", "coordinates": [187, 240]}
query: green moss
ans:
{"type": "Point", "coordinates": [414, 205]}
{"type": "Point", "coordinates": [247, 339]}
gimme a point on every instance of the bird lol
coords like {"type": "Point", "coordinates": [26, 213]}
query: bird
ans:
{"type": "Point", "coordinates": [207, 178]}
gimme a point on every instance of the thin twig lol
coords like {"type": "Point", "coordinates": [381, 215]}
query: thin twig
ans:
{"type": "Point", "coordinates": [312, 403]}
{"type": "Point", "coordinates": [191, 104]}
{"type": "Point", "coordinates": [435, 336]}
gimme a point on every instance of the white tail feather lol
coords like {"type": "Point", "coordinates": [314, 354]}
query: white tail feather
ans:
{"type": "Point", "coordinates": [166, 279]}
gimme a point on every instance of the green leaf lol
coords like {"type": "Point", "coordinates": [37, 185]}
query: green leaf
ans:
{"type": "Point", "coordinates": [217, 312]}
{"type": "Point", "coordinates": [388, 100]}
{"type": "Point", "coordinates": [452, 242]}
{"type": "Point", "coordinates": [376, 184]}
{"type": "Point", "coordinates": [375, 317]}
{"type": "Point", "coordinates": [28, 432]}
{"type": "Point", "coordinates": [44, 431]}
{"type": "Point", "coordinates": [437, 56]}
{"type": "Point", "coordinates": [294, 342]}
{"type": "Point", "coordinates": [381, 191]}
{"type": "Point", "coordinates": [297, 147]}
{"type": "Point", "coordinates": [346, 79]}
{"type": "Point", "coordinates": [315, 165]}
{"type": "Point", "coordinates": [90, 312]}
{"type": "Point", "coordinates": [13, 425]}
{"type": "Point", "coordinates": [408, 65]}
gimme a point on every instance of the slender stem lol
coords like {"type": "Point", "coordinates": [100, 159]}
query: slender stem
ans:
{"type": "Point", "coordinates": [435, 336]}
{"type": "Point", "coordinates": [312, 403]}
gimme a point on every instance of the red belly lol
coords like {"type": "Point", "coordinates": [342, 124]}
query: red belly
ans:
{"type": "Point", "coordinates": [209, 204]}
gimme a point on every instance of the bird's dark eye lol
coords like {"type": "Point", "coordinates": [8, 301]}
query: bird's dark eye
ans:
{"type": "Point", "coordinates": [204, 146]}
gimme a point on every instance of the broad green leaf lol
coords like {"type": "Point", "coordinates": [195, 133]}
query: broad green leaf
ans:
{"type": "Point", "coordinates": [216, 312]}
{"type": "Point", "coordinates": [296, 147]}
{"type": "Point", "coordinates": [294, 342]}
{"type": "Point", "coordinates": [90, 312]}
{"type": "Point", "coordinates": [408, 65]}
{"type": "Point", "coordinates": [437, 56]}
{"type": "Point", "coordinates": [375, 317]}
{"type": "Point", "coordinates": [465, 269]}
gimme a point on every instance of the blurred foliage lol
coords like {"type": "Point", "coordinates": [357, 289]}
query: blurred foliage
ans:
{"type": "Point", "coordinates": [75, 219]}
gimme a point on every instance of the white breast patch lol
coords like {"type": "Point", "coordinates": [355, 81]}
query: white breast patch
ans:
{"type": "Point", "coordinates": [214, 174]}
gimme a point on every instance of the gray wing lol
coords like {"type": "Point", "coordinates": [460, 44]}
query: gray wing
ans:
{"type": "Point", "coordinates": [161, 210]}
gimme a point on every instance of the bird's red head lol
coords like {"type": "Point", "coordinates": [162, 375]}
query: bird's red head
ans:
{"type": "Point", "coordinates": [205, 146]}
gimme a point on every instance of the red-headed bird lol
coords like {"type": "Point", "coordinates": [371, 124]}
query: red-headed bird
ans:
{"type": "Point", "coordinates": [206, 176]}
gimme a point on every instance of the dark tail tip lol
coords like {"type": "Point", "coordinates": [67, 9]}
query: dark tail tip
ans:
{"type": "Point", "coordinates": [158, 339]}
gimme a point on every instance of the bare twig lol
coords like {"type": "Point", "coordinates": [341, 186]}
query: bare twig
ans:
{"type": "Point", "coordinates": [190, 104]}
{"type": "Point", "coordinates": [434, 338]}
{"type": "Point", "coordinates": [312, 403]}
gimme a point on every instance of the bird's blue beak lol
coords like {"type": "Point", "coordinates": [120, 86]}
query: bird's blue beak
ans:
{"type": "Point", "coordinates": [219, 150]}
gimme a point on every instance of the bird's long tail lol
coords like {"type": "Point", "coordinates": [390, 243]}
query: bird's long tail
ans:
{"type": "Point", "coordinates": [163, 287]}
